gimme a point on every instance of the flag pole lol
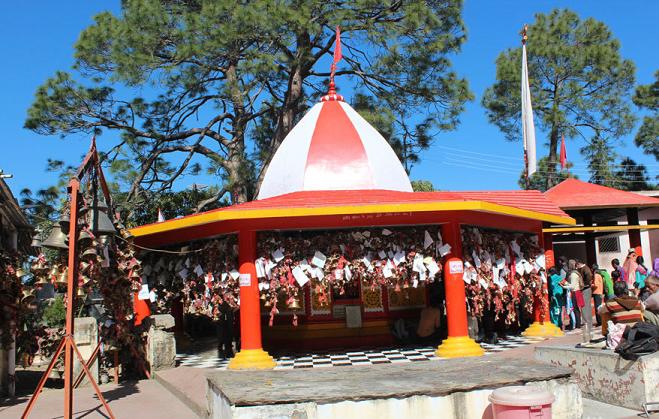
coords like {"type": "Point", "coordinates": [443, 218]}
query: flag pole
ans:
{"type": "Point", "coordinates": [526, 160]}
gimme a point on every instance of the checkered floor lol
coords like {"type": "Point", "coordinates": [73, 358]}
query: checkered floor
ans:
{"type": "Point", "coordinates": [353, 357]}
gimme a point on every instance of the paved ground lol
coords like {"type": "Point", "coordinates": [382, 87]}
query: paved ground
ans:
{"type": "Point", "coordinates": [145, 399]}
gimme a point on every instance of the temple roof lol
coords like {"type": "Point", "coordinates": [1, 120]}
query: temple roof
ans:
{"type": "Point", "coordinates": [524, 204]}
{"type": "Point", "coordinates": [572, 194]}
{"type": "Point", "coordinates": [333, 148]}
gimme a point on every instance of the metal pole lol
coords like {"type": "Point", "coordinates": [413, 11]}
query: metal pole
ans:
{"type": "Point", "coordinates": [74, 189]}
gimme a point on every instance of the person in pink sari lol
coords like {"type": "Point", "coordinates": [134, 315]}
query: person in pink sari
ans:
{"type": "Point", "coordinates": [630, 266]}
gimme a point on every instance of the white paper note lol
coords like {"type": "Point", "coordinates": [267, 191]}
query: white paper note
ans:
{"type": "Point", "coordinates": [300, 277]}
{"type": "Point", "coordinates": [234, 274]}
{"type": "Point", "coordinates": [433, 268]}
{"type": "Point", "coordinates": [144, 292]}
{"type": "Point", "coordinates": [152, 296]}
{"type": "Point", "coordinates": [386, 232]}
{"type": "Point", "coordinates": [348, 273]}
{"type": "Point", "coordinates": [198, 270]}
{"type": "Point", "coordinates": [427, 240]}
{"type": "Point", "coordinates": [278, 254]}
{"type": "Point", "coordinates": [445, 249]}
{"type": "Point", "coordinates": [183, 273]}
{"type": "Point", "coordinates": [319, 259]}
{"type": "Point", "coordinates": [382, 254]}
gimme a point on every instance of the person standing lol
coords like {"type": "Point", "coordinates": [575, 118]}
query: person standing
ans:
{"type": "Point", "coordinates": [615, 263]}
{"type": "Point", "coordinates": [574, 282]}
{"type": "Point", "coordinates": [630, 266]}
{"type": "Point", "coordinates": [598, 292]}
{"type": "Point", "coordinates": [587, 293]}
{"type": "Point", "coordinates": [557, 297]}
{"type": "Point", "coordinates": [608, 284]}
{"type": "Point", "coordinates": [641, 273]}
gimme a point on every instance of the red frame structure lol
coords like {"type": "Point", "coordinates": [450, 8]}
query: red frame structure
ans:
{"type": "Point", "coordinates": [68, 344]}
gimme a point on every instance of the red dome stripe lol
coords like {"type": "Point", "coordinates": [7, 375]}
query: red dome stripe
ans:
{"type": "Point", "coordinates": [337, 158]}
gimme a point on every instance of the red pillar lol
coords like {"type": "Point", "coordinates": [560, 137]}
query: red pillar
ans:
{"type": "Point", "coordinates": [458, 343]}
{"type": "Point", "coordinates": [251, 355]}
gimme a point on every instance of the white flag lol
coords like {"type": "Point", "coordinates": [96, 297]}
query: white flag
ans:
{"type": "Point", "coordinates": [161, 217]}
{"type": "Point", "coordinates": [528, 128]}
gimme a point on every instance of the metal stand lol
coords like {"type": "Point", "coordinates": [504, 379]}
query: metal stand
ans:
{"type": "Point", "coordinates": [68, 344]}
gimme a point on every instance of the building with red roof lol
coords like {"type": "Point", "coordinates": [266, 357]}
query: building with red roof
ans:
{"type": "Point", "coordinates": [609, 222]}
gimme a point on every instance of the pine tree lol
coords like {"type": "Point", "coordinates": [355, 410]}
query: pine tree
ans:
{"type": "Point", "coordinates": [216, 85]}
{"type": "Point", "coordinates": [580, 84]}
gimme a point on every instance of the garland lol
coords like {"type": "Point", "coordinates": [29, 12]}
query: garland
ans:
{"type": "Point", "coordinates": [503, 271]}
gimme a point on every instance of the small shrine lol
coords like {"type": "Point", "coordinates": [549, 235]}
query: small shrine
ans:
{"type": "Point", "coordinates": [337, 246]}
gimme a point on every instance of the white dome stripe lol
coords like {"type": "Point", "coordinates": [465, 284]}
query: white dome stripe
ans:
{"type": "Point", "coordinates": [285, 173]}
{"type": "Point", "coordinates": [387, 171]}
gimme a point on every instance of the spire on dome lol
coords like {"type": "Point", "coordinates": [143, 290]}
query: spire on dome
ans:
{"type": "Point", "coordinates": [331, 94]}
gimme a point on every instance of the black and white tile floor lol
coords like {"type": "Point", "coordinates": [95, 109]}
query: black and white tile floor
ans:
{"type": "Point", "coordinates": [371, 356]}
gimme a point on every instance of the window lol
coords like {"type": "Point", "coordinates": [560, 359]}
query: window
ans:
{"type": "Point", "coordinates": [609, 244]}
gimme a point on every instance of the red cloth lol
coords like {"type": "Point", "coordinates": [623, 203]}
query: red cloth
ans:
{"type": "Point", "coordinates": [141, 309]}
{"type": "Point", "coordinates": [563, 153]}
{"type": "Point", "coordinates": [337, 49]}
{"type": "Point", "coordinates": [578, 295]}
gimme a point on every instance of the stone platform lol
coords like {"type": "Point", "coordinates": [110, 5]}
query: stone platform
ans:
{"type": "Point", "coordinates": [455, 388]}
{"type": "Point", "coordinates": [603, 375]}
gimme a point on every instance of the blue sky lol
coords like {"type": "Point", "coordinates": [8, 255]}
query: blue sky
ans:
{"type": "Point", "coordinates": [38, 39]}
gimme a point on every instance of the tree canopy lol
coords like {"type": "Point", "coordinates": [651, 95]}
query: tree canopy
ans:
{"type": "Point", "coordinates": [647, 137]}
{"type": "Point", "coordinates": [580, 86]}
{"type": "Point", "coordinates": [214, 86]}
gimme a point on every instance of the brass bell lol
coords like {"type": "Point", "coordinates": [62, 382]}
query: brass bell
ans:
{"type": "Point", "coordinates": [62, 278]}
{"type": "Point", "coordinates": [39, 266]}
{"type": "Point", "coordinates": [89, 253]}
{"type": "Point", "coordinates": [36, 240]}
{"type": "Point", "coordinates": [20, 272]}
{"type": "Point", "coordinates": [84, 237]}
{"type": "Point", "coordinates": [42, 281]}
{"type": "Point", "coordinates": [104, 239]}
{"type": "Point", "coordinates": [267, 303]}
{"type": "Point", "coordinates": [28, 297]}
{"type": "Point", "coordinates": [85, 279]}
{"type": "Point", "coordinates": [53, 272]}
{"type": "Point", "coordinates": [295, 305]}
{"type": "Point", "coordinates": [263, 297]}
{"type": "Point", "coordinates": [100, 222]}
{"type": "Point", "coordinates": [57, 239]}
{"type": "Point", "coordinates": [81, 292]}
{"type": "Point", "coordinates": [64, 221]}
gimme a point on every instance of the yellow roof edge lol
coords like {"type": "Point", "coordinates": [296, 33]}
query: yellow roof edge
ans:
{"type": "Point", "coordinates": [245, 214]}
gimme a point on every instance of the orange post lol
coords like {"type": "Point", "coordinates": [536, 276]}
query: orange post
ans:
{"type": "Point", "coordinates": [251, 355]}
{"type": "Point", "coordinates": [458, 344]}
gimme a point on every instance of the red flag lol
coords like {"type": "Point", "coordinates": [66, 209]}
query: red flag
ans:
{"type": "Point", "coordinates": [563, 154]}
{"type": "Point", "coordinates": [337, 49]}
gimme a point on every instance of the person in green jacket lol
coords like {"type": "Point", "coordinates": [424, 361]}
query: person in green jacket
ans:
{"type": "Point", "coordinates": [608, 284]}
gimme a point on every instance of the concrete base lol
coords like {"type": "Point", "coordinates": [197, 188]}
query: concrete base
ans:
{"type": "Point", "coordinates": [458, 347]}
{"type": "Point", "coordinates": [252, 359]}
{"type": "Point", "coordinates": [542, 330]}
{"type": "Point", "coordinates": [86, 338]}
{"type": "Point", "coordinates": [604, 376]}
{"type": "Point", "coordinates": [447, 389]}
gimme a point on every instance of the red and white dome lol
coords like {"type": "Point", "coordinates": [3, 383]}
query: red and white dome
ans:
{"type": "Point", "coordinates": [333, 148]}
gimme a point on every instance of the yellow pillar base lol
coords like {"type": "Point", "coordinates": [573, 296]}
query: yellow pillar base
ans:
{"type": "Point", "coordinates": [542, 330]}
{"type": "Point", "coordinates": [252, 359]}
{"type": "Point", "coordinates": [457, 347]}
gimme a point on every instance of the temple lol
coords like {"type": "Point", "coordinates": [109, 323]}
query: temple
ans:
{"type": "Point", "coordinates": [334, 176]}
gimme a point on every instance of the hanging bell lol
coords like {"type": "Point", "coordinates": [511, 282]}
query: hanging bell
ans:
{"type": "Point", "coordinates": [102, 224]}
{"type": "Point", "coordinates": [53, 272]}
{"type": "Point", "coordinates": [294, 305]}
{"type": "Point", "coordinates": [104, 239]}
{"type": "Point", "coordinates": [267, 303]}
{"type": "Point", "coordinates": [85, 279]}
{"type": "Point", "coordinates": [84, 266]}
{"type": "Point", "coordinates": [57, 239]}
{"type": "Point", "coordinates": [36, 240]}
{"type": "Point", "coordinates": [263, 297]}
{"type": "Point", "coordinates": [89, 253]}
{"type": "Point", "coordinates": [20, 272]}
{"type": "Point", "coordinates": [42, 281]}
{"type": "Point", "coordinates": [39, 266]}
{"type": "Point", "coordinates": [81, 292]}
{"type": "Point", "coordinates": [84, 237]}
{"type": "Point", "coordinates": [64, 221]}
{"type": "Point", "coordinates": [28, 297]}
{"type": "Point", "coordinates": [62, 278]}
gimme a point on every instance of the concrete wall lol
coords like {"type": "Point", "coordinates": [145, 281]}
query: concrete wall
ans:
{"type": "Point", "coordinates": [603, 375]}
{"type": "Point", "coordinates": [459, 405]}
